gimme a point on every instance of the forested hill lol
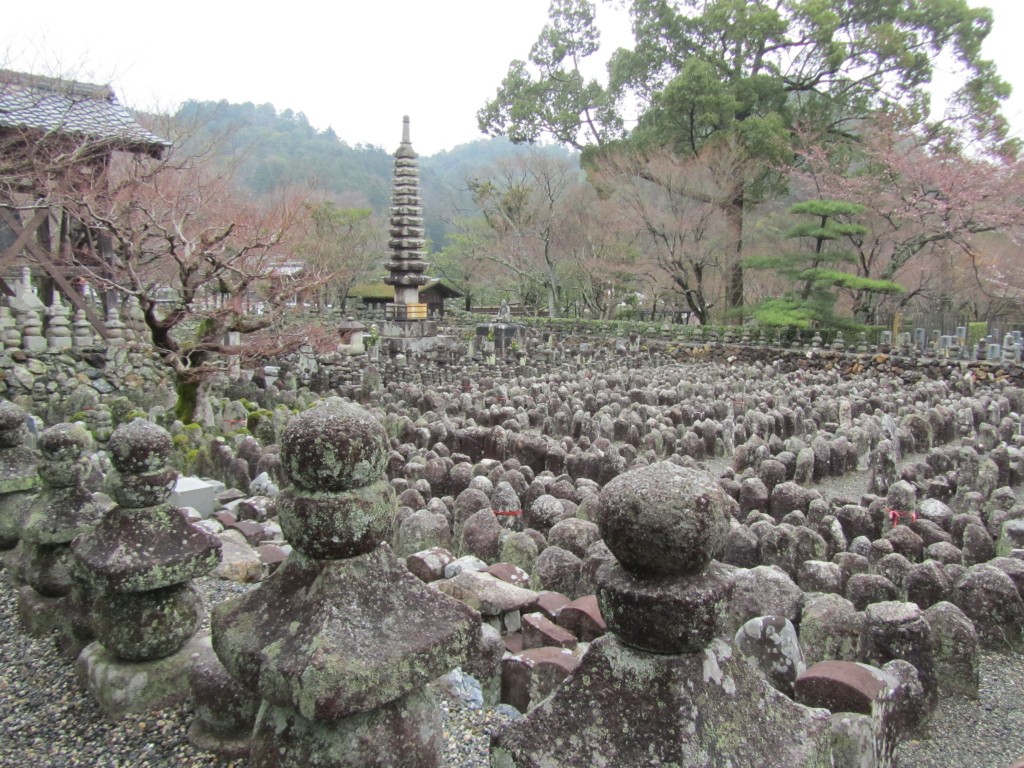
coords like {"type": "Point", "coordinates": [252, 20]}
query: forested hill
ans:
{"type": "Point", "coordinates": [274, 150]}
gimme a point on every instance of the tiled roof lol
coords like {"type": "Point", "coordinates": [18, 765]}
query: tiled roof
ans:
{"type": "Point", "coordinates": [378, 290]}
{"type": "Point", "coordinates": [50, 104]}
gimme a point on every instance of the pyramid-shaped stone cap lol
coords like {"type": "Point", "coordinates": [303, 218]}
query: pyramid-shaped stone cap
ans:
{"type": "Point", "coordinates": [622, 707]}
{"type": "Point", "coordinates": [338, 637]}
{"type": "Point", "coordinates": [137, 550]}
{"type": "Point", "coordinates": [58, 515]}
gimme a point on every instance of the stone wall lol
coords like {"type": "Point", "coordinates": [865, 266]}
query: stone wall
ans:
{"type": "Point", "coordinates": [56, 386]}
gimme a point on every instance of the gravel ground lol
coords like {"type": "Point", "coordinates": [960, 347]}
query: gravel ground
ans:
{"type": "Point", "coordinates": [48, 721]}
{"type": "Point", "coordinates": [988, 733]}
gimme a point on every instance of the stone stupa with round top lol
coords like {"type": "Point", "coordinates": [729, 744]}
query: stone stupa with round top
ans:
{"type": "Point", "coordinates": [340, 641]}
{"type": "Point", "coordinates": [55, 596]}
{"type": "Point", "coordinates": [661, 688]}
{"type": "Point", "coordinates": [140, 559]}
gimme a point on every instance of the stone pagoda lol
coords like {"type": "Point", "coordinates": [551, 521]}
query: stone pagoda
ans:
{"type": "Point", "coordinates": [660, 688]}
{"type": "Point", "coordinates": [54, 596]}
{"type": "Point", "coordinates": [140, 559]}
{"type": "Point", "coordinates": [406, 326]}
{"type": "Point", "coordinates": [406, 267]}
{"type": "Point", "coordinates": [341, 640]}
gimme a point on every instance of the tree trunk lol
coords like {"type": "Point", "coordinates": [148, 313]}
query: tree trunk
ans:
{"type": "Point", "coordinates": [734, 225]}
{"type": "Point", "coordinates": [187, 390]}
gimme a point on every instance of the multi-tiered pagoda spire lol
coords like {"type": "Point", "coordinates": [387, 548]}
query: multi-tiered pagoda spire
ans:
{"type": "Point", "coordinates": [406, 266]}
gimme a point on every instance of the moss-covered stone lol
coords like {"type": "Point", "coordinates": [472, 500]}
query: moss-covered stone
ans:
{"type": "Point", "coordinates": [140, 626]}
{"type": "Point", "coordinates": [334, 638]}
{"type": "Point", "coordinates": [336, 525]}
{"type": "Point", "coordinates": [121, 687]}
{"type": "Point", "coordinates": [663, 519]}
{"type": "Point", "coordinates": [406, 732]}
{"type": "Point", "coordinates": [335, 446]}
{"type": "Point", "coordinates": [138, 550]}
{"type": "Point", "coordinates": [624, 707]}
{"type": "Point", "coordinates": [139, 447]}
{"type": "Point", "coordinates": [669, 614]}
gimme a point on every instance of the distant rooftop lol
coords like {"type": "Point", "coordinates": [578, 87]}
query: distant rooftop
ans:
{"type": "Point", "coordinates": [64, 106]}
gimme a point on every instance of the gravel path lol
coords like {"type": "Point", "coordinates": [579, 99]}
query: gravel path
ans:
{"type": "Point", "coordinates": [988, 733]}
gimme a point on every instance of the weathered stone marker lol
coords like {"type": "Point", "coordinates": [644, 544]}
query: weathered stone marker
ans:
{"type": "Point", "coordinates": [18, 478]}
{"type": "Point", "coordinates": [141, 558]}
{"type": "Point", "coordinates": [55, 596]}
{"type": "Point", "coordinates": [662, 689]}
{"type": "Point", "coordinates": [341, 639]}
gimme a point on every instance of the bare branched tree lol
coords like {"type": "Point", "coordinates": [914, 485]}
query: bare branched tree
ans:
{"type": "Point", "coordinates": [141, 216]}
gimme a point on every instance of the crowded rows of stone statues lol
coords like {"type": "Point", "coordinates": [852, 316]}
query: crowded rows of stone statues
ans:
{"type": "Point", "coordinates": [656, 565]}
{"type": "Point", "coordinates": [27, 323]}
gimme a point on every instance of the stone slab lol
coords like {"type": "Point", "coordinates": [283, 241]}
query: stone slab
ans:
{"type": "Point", "coordinates": [197, 493]}
{"type": "Point", "coordinates": [843, 686]}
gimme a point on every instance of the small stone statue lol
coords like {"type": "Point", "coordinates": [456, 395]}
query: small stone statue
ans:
{"type": "Point", "coordinates": [504, 313]}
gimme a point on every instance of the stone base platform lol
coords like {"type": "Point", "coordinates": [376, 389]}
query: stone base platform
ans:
{"type": "Point", "coordinates": [128, 687]}
{"type": "Point", "coordinates": [39, 615]}
{"type": "Point", "coordinates": [228, 747]}
{"type": "Point", "coordinates": [625, 707]}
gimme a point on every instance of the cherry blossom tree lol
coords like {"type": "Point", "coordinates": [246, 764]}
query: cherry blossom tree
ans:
{"type": "Point", "coordinates": [924, 203]}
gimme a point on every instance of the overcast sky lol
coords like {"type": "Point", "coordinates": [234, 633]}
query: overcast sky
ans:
{"type": "Point", "coordinates": [355, 66]}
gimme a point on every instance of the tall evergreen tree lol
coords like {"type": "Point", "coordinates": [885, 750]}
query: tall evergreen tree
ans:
{"type": "Point", "coordinates": [746, 73]}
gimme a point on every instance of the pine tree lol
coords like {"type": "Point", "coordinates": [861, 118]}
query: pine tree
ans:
{"type": "Point", "coordinates": [816, 270]}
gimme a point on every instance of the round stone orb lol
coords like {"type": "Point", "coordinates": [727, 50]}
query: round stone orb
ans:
{"type": "Point", "coordinates": [139, 626]}
{"type": "Point", "coordinates": [64, 442]}
{"type": "Point", "coordinates": [139, 447]}
{"type": "Point", "coordinates": [663, 519]}
{"type": "Point", "coordinates": [12, 425]}
{"type": "Point", "coordinates": [336, 446]}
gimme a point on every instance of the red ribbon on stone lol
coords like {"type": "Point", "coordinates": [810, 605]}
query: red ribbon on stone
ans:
{"type": "Point", "coordinates": [508, 512]}
{"type": "Point", "coordinates": [895, 516]}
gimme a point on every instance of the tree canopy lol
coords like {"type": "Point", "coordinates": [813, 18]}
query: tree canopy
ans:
{"type": "Point", "coordinates": [734, 61]}
{"type": "Point", "coordinates": [703, 74]}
